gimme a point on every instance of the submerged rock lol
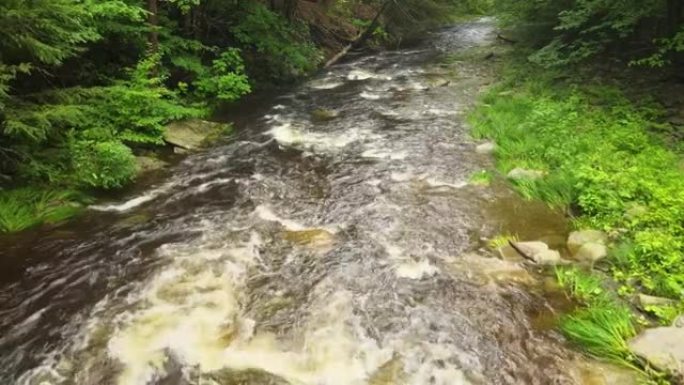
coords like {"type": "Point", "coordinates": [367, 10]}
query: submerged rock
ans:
{"type": "Point", "coordinates": [523, 173]}
{"type": "Point", "coordinates": [193, 133]}
{"type": "Point", "coordinates": [323, 115]}
{"type": "Point", "coordinates": [662, 347]}
{"type": "Point", "coordinates": [245, 377]}
{"type": "Point", "coordinates": [537, 251]}
{"type": "Point", "coordinates": [577, 239]}
{"type": "Point", "coordinates": [314, 237]}
{"type": "Point", "coordinates": [485, 148]}
{"type": "Point", "coordinates": [485, 270]}
{"type": "Point", "coordinates": [147, 164]}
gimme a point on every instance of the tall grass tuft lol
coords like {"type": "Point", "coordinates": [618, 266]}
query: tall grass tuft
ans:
{"type": "Point", "coordinates": [28, 207]}
{"type": "Point", "coordinates": [602, 331]}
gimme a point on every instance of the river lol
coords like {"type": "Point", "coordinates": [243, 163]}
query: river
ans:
{"type": "Point", "coordinates": [341, 250]}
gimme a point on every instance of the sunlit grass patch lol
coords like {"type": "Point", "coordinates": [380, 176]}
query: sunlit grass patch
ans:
{"type": "Point", "coordinates": [482, 178]}
{"type": "Point", "coordinates": [501, 240]}
{"type": "Point", "coordinates": [27, 207]}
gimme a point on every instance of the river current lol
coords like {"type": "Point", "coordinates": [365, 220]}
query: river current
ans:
{"type": "Point", "coordinates": [340, 249]}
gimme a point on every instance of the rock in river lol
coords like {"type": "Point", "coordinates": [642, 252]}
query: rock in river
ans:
{"type": "Point", "coordinates": [523, 173]}
{"type": "Point", "coordinates": [323, 115]}
{"type": "Point", "coordinates": [485, 148]}
{"type": "Point", "coordinates": [191, 134]}
{"type": "Point", "coordinates": [538, 251]}
{"type": "Point", "coordinates": [579, 238]}
{"type": "Point", "coordinates": [662, 347]}
{"type": "Point", "coordinates": [147, 164]}
{"type": "Point", "coordinates": [591, 252]}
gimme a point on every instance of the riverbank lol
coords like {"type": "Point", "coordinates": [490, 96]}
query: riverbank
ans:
{"type": "Point", "coordinates": [583, 146]}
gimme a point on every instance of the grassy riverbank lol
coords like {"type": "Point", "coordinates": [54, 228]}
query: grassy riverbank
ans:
{"type": "Point", "coordinates": [606, 161]}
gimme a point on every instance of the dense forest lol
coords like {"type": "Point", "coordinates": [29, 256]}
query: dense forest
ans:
{"type": "Point", "coordinates": [86, 85]}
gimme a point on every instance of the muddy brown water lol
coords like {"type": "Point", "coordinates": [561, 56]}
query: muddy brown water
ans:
{"type": "Point", "coordinates": [335, 252]}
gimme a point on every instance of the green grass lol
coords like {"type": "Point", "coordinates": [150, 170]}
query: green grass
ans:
{"type": "Point", "coordinates": [582, 286]}
{"type": "Point", "coordinates": [501, 240]}
{"type": "Point", "coordinates": [606, 162]}
{"type": "Point", "coordinates": [600, 160]}
{"type": "Point", "coordinates": [24, 208]}
{"type": "Point", "coordinates": [481, 178]}
{"type": "Point", "coordinates": [602, 331]}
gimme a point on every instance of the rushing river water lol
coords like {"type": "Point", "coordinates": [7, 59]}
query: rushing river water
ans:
{"type": "Point", "coordinates": [329, 252]}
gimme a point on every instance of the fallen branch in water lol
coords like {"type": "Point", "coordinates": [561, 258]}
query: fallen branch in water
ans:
{"type": "Point", "coordinates": [520, 251]}
{"type": "Point", "coordinates": [361, 38]}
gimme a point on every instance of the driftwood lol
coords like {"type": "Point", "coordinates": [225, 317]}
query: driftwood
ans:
{"type": "Point", "coordinates": [361, 38]}
{"type": "Point", "coordinates": [520, 251]}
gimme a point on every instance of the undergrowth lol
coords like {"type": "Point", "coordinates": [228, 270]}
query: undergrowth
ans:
{"type": "Point", "coordinates": [603, 160]}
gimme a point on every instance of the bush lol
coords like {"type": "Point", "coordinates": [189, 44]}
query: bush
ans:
{"type": "Point", "coordinates": [284, 49]}
{"type": "Point", "coordinates": [103, 164]}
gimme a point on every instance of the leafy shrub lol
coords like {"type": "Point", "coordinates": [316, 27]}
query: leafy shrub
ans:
{"type": "Point", "coordinates": [103, 164]}
{"type": "Point", "coordinates": [284, 48]}
{"type": "Point", "coordinates": [226, 80]}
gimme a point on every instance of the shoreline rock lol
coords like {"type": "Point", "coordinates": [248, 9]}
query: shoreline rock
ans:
{"type": "Point", "coordinates": [192, 134]}
{"type": "Point", "coordinates": [662, 347]}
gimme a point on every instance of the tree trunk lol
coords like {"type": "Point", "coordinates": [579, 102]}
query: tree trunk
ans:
{"type": "Point", "coordinates": [153, 22]}
{"type": "Point", "coordinates": [290, 9]}
{"type": "Point", "coordinates": [362, 37]}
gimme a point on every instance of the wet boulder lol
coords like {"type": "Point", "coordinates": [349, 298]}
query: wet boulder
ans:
{"type": "Point", "coordinates": [245, 377]}
{"type": "Point", "coordinates": [577, 239]}
{"type": "Point", "coordinates": [591, 252]}
{"type": "Point", "coordinates": [662, 347]}
{"type": "Point", "coordinates": [192, 134]}
{"type": "Point", "coordinates": [147, 164]}
{"type": "Point", "coordinates": [323, 115]}
{"type": "Point", "coordinates": [519, 173]}
{"type": "Point", "coordinates": [485, 148]}
{"type": "Point", "coordinates": [535, 251]}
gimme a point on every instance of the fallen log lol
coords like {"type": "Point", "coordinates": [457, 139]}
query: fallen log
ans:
{"type": "Point", "coordinates": [361, 38]}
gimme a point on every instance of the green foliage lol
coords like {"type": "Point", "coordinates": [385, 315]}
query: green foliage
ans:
{"type": "Point", "coordinates": [284, 49]}
{"type": "Point", "coordinates": [501, 240]}
{"type": "Point", "coordinates": [44, 31]}
{"type": "Point", "coordinates": [582, 286]}
{"type": "Point", "coordinates": [226, 80]}
{"type": "Point", "coordinates": [565, 32]}
{"type": "Point", "coordinates": [482, 177]}
{"type": "Point", "coordinates": [602, 163]}
{"type": "Point", "coordinates": [26, 207]}
{"type": "Point", "coordinates": [103, 164]}
{"type": "Point", "coordinates": [50, 130]}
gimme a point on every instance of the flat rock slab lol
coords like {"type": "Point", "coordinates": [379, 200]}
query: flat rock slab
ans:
{"type": "Point", "coordinates": [192, 134]}
{"type": "Point", "coordinates": [662, 347]}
